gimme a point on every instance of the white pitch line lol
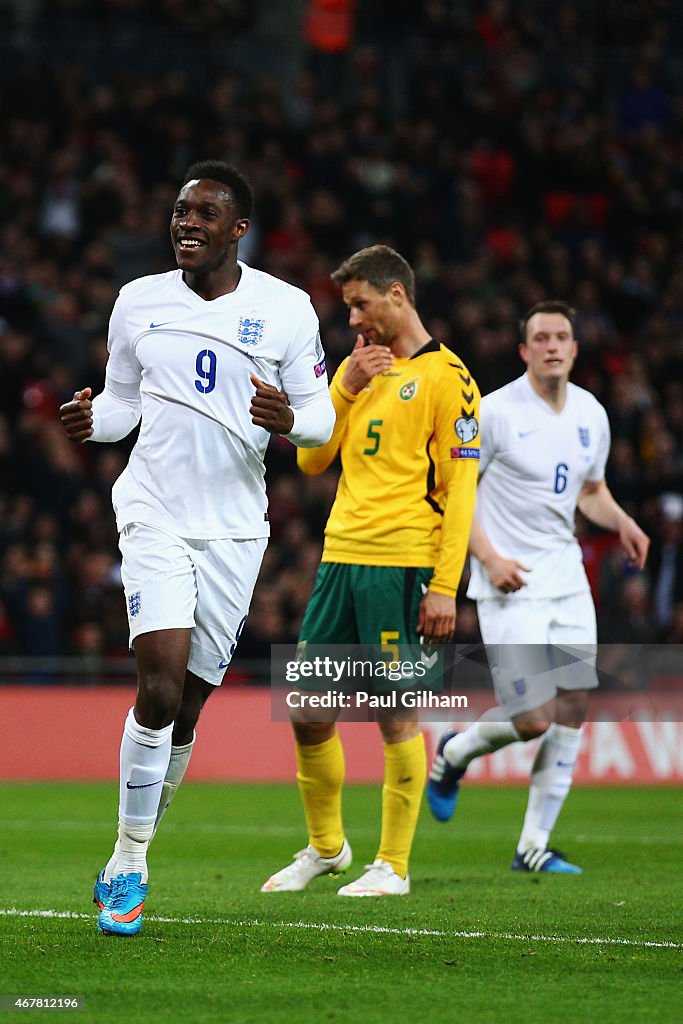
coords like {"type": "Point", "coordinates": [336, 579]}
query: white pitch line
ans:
{"type": "Point", "coordinates": [367, 929]}
{"type": "Point", "coordinates": [235, 829]}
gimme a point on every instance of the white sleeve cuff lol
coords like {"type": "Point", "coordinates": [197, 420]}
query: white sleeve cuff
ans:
{"type": "Point", "coordinates": [314, 420]}
{"type": "Point", "coordinates": [116, 411]}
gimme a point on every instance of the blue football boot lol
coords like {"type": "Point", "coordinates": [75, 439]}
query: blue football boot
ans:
{"type": "Point", "coordinates": [102, 891]}
{"type": "Point", "coordinates": [122, 913]}
{"type": "Point", "coordinates": [550, 861]}
{"type": "Point", "coordinates": [443, 783]}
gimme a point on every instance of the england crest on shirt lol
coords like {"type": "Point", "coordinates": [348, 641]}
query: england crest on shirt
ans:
{"type": "Point", "coordinates": [250, 331]}
{"type": "Point", "coordinates": [584, 437]}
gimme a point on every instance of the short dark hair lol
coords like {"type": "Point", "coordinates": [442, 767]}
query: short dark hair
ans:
{"type": "Point", "coordinates": [380, 266]}
{"type": "Point", "coordinates": [548, 306]}
{"type": "Point", "coordinates": [226, 174]}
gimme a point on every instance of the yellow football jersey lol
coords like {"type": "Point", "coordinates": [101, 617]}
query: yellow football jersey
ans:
{"type": "Point", "coordinates": [409, 445]}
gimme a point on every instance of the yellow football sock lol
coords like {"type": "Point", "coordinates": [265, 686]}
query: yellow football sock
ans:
{"type": "Point", "coordinates": [405, 767]}
{"type": "Point", "coordinates": [320, 777]}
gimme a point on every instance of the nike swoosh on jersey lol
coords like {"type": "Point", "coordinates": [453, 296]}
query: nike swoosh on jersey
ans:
{"type": "Point", "coordinates": [525, 433]}
{"type": "Point", "coordinates": [145, 785]}
{"type": "Point", "coordinates": [223, 664]}
{"type": "Point", "coordinates": [153, 325]}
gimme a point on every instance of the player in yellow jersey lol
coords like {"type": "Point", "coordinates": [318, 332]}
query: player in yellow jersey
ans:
{"type": "Point", "coordinates": [407, 431]}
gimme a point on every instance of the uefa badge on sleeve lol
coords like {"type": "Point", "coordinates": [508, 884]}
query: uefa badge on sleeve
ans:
{"type": "Point", "coordinates": [320, 366]}
{"type": "Point", "coordinates": [467, 428]}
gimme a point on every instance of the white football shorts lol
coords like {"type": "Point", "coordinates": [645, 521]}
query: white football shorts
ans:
{"type": "Point", "coordinates": [536, 647]}
{"type": "Point", "coordinates": [203, 585]}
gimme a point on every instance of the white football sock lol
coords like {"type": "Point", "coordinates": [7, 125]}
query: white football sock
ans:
{"type": "Point", "coordinates": [177, 766]}
{"type": "Point", "coordinates": [490, 732]}
{"type": "Point", "coordinates": [145, 754]}
{"type": "Point", "coordinates": [551, 779]}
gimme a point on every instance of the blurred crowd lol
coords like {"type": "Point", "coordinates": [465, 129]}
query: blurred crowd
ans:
{"type": "Point", "coordinates": [511, 151]}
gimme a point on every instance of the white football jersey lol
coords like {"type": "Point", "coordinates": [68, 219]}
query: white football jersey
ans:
{"type": "Point", "coordinates": [197, 467]}
{"type": "Point", "coordinates": [534, 463]}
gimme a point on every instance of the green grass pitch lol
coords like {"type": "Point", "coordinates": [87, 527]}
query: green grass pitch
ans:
{"type": "Point", "coordinates": [474, 942]}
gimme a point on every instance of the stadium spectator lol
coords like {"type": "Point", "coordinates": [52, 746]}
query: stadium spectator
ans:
{"type": "Point", "coordinates": [98, 103]}
{"type": "Point", "coordinates": [666, 567]}
{"type": "Point", "coordinates": [630, 610]}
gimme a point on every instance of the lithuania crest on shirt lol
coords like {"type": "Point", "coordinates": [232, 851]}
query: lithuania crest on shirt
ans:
{"type": "Point", "coordinates": [408, 391]}
{"type": "Point", "coordinates": [249, 331]}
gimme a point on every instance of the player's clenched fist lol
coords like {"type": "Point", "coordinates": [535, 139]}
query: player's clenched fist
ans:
{"type": "Point", "coordinates": [365, 362]}
{"type": "Point", "coordinates": [76, 416]}
{"type": "Point", "coordinates": [270, 408]}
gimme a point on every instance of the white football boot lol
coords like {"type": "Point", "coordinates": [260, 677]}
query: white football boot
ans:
{"type": "Point", "coordinates": [307, 865]}
{"type": "Point", "coordinates": [380, 879]}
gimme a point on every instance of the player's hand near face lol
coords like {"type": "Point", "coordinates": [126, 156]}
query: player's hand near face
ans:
{"type": "Point", "coordinates": [270, 408]}
{"type": "Point", "coordinates": [436, 618]}
{"type": "Point", "coordinates": [76, 416]}
{"type": "Point", "coordinates": [365, 362]}
{"type": "Point", "coordinates": [505, 573]}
